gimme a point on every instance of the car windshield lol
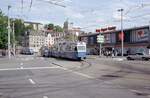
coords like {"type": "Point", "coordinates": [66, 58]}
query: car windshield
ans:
{"type": "Point", "coordinates": [139, 54]}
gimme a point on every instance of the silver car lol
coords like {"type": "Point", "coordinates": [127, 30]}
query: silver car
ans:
{"type": "Point", "coordinates": [138, 56]}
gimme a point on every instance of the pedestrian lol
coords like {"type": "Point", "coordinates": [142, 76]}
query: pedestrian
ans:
{"type": "Point", "coordinates": [113, 53]}
{"type": "Point", "coordinates": [12, 53]}
{"type": "Point", "coordinates": [3, 53]}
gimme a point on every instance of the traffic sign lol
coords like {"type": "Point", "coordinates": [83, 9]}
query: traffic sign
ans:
{"type": "Point", "coordinates": [100, 38]}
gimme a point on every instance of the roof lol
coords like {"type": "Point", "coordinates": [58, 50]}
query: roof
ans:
{"type": "Point", "coordinates": [32, 22]}
{"type": "Point", "coordinates": [134, 28]}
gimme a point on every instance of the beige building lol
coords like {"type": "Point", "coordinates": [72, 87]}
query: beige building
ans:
{"type": "Point", "coordinates": [54, 37]}
{"type": "Point", "coordinates": [69, 28]}
{"type": "Point", "coordinates": [34, 40]}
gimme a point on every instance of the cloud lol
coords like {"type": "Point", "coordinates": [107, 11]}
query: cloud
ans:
{"type": "Point", "coordinates": [70, 12]}
{"type": "Point", "coordinates": [117, 16]}
{"type": "Point", "coordinates": [68, 1]}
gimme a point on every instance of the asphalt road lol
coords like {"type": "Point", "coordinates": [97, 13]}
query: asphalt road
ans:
{"type": "Point", "coordinates": [37, 77]}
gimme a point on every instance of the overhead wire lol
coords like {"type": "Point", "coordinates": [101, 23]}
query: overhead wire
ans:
{"type": "Point", "coordinates": [53, 3]}
{"type": "Point", "coordinates": [31, 2]}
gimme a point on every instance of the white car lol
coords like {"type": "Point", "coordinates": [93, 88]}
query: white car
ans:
{"type": "Point", "coordinates": [138, 56]}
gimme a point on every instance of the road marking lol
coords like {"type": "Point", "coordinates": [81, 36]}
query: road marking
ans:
{"type": "Point", "coordinates": [45, 97]}
{"type": "Point", "coordinates": [132, 90]}
{"type": "Point", "coordinates": [118, 59]}
{"type": "Point", "coordinates": [28, 68]}
{"type": "Point", "coordinates": [31, 81]}
{"type": "Point", "coordinates": [21, 67]}
{"type": "Point", "coordinates": [78, 73]}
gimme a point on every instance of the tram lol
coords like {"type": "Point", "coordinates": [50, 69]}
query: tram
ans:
{"type": "Point", "coordinates": [69, 50]}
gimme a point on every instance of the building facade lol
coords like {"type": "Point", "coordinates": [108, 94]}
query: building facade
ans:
{"type": "Point", "coordinates": [49, 40]}
{"type": "Point", "coordinates": [135, 40]}
{"type": "Point", "coordinates": [69, 28]}
{"type": "Point", "coordinates": [36, 40]}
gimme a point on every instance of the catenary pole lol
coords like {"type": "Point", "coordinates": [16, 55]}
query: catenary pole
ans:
{"type": "Point", "coordinates": [9, 53]}
{"type": "Point", "coordinates": [122, 33]}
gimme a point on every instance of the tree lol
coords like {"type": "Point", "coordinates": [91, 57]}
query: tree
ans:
{"type": "Point", "coordinates": [3, 31]}
{"type": "Point", "coordinates": [50, 26]}
{"type": "Point", "coordinates": [58, 28]}
{"type": "Point", "coordinates": [29, 27]}
{"type": "Point", "coordinates": [55, 28]}
{"type": "Point", "coordinates": [19, 30]}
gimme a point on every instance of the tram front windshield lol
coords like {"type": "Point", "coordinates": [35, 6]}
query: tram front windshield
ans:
{"type": "Point", "coordinates": [81, 48]}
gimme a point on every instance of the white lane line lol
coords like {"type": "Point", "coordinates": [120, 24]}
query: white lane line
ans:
{"type": "Point", "coordinates": [28, 68]}
{"type": "Point", "coordinates": [31, 81]}
{"type": "Point", "coordinates": [21, 67]}
{"type": "Point", "coordinates": [78, 73]}
{"type": "Point", "coordinates": [45, 97]}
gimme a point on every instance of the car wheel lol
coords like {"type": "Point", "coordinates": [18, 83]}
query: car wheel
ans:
{"type": "Point", "coordinates": [129, 58]}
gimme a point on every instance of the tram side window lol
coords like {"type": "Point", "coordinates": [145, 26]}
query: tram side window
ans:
{"type": "Point", "coordinates": [68, 48]}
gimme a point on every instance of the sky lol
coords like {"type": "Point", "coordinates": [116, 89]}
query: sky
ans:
{"type": "Point", "coordinates": [86, 14]}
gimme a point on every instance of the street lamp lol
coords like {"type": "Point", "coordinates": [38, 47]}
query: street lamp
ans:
{"type": "Point", "coordinates": [9, 53]}
{"type": "Point", "coordinates": [122, 34]}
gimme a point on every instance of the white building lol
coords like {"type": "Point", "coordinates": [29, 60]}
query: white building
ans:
{"type": "Point", "coordinates": [49, 40]}
{"type": "Point", "coordinates": [36, 40]}
{"type": "Point", "coordinates": [38, 37]}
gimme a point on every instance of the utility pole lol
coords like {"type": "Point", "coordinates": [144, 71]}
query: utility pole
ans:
{"type": "Point", "coordinates": [14, 38]}
{"type": "Point", "coordinates": [149, 39]}
{"type": "Point", "coordinates": [122, 33]}
{"type": "Point", "coordinates": [9, 53]}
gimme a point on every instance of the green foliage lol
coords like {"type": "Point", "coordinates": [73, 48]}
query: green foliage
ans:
{"type": "Point", "coordinates": [3, 40]}
{"type": "Point", "coordinates": [3, 31]}
{"type": "Point", "coordinates": [19, 30]}
{"type": "Point", "coordinates": [29, 27]}
{"type": "Point", "coordinates": [55, 28]}
{"type": "Point", "coordinates": [50, 26]}
{"type": "Point", "coordinates": [58, 28]}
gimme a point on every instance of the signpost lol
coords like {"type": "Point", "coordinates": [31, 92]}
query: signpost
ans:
{"type": "Point", "coordinates": [100, 39]}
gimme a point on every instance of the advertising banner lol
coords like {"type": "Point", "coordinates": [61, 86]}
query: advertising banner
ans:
{"type": "Point", "coordinates": [140, 35]}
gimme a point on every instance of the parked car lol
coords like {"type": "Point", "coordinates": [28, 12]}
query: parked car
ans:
{"type": "Point", "coordinates": [138, 56]}
{"type": "Point", "coordinates": [27, 51]}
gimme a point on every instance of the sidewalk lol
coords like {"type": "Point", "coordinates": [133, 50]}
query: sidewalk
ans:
{"type": "Point", "coordinates": [117, 58]}
{"type": "Point", "coordinates": [5, 59]}
{"type": "Point", "coordinates": [137, 65]}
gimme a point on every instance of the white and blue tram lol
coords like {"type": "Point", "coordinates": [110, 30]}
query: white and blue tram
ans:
{"type": "Point", "coordinates": [69, 50]}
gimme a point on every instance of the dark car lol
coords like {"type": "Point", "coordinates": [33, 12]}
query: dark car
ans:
{"type": "Point", "coordinates": [138, 56]}
{"type": "Point", "coordinates": [45, 52]}
{"type": "Point", "coordinates": [27, 51]}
